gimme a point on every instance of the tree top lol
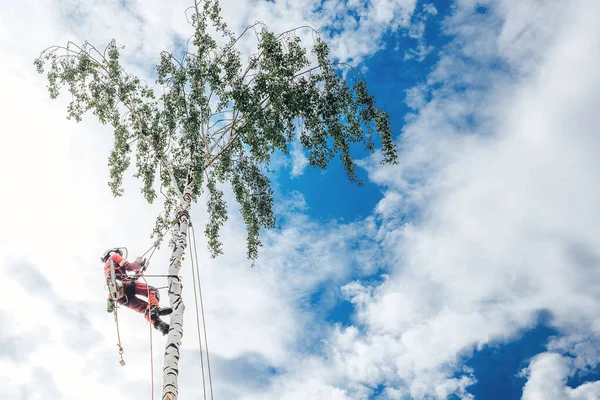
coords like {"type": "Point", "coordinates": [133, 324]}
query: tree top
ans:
{"type": "Point", "coordinates": [221, 115]}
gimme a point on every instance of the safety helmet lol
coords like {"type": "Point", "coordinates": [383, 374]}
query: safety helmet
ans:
{"type": "Point", "coordinates": [109, 252]}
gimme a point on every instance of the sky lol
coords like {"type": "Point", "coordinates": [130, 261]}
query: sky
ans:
{"type": "Point", "coordinates": [470, 270]}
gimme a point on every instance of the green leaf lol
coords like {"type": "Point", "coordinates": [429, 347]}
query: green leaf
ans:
{"type": "Point", "coordinates": [219, 117]}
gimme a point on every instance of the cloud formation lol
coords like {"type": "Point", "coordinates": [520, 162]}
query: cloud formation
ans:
{"type": "Point", "coordinates": [489, 219]}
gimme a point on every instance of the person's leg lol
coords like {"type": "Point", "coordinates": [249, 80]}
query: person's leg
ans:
{"type": "Point", "coordinates": [130, 299]}
{"type": "Point", "coordinates": [153, 312]}
{"type": "Point", "coordinates": [133, 302]}
{"type": "Point", "coordinates": [141, 289]}
{"type": "Point", "coordinates": [139, 305]}
{"type": "Point", "coordinates": [153, 299]}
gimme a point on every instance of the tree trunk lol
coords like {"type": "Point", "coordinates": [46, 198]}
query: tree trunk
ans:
{"type": "Point", "coordinates": [171, 363]}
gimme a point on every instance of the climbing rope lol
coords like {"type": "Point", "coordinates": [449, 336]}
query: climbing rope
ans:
{"type": "Point", "coordinates": [121, 351]}
{"type": "Point", "coordinates": [158, 241]}
{"type": "Point", "coordinates": [153, 248]}
{"type": "Point", "coordinates": [197, 295]}
{"type": "Point", "coordinates": [196, 272]}
{"type": "Point", "coordinates": [159, 276]}
{"type": "Point", "coordinates": [151, 351]}
{"type": "Point", "coordinates": [197, 316]}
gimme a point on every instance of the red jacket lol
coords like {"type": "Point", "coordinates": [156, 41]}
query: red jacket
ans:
{"type": "Point", "coordinates": [121, 266]}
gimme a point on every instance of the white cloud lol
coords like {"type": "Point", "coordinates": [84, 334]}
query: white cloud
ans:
{"type": "Point", "coordinates": [498, 174]}
{"type": "Point", "coordinates": [299, 160]}
{"type": "Point", "coordinates": [354, 29]}
{"type": "Point", "coordinates": [508, 225]}
{"type": "Point", "coordinates": [547, 380]}
{"type": "Point", "coordinates": [417, 31]}
{"type": "Point", "coordinates": [500, 169]}
{"type": "Point", "coordinates": [63, 218]}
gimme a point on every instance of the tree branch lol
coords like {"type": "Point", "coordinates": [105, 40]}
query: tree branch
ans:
{"type": "Point", "coordinates": [167, 165]}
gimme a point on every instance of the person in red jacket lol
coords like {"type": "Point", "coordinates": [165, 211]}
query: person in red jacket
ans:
{"type": "Point", "coordinates": [133, 288]}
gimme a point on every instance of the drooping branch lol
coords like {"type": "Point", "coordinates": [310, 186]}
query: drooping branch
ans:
{"type": "Point", "coordinates": [280, 95]}
{"type": "Point", "coordinates": [164, 162]}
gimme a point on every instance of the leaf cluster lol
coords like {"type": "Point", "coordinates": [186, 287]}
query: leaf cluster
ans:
{"type": "Point", "coordinates": [220, 117]}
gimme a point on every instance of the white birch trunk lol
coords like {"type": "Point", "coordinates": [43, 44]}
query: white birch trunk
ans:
{"type": "Point", "coordinates": [171, 363]}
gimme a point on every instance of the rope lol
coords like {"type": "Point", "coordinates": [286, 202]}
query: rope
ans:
{"type": "Point", "coordinates": [121, 351]}
{"type": "Point", "coordinates": [152, 250]}
{"type": "Point", "coordinates": [202, 310]}
{"type": "Point", "coordinates": [156, 276]}
{"type": "Point", "coordinates": [158, 241]}
{"type": "Point", "coordinates": [151, 351]}
{"type": "Point", "coordinates": [197, 314]}
{"type": "Point", "coordinates": [154, 246]}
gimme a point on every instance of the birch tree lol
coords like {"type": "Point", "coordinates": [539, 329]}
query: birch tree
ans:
{"type": "Point", "coordinates": [217, 121]}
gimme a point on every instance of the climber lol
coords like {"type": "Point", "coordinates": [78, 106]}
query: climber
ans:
{"type": "Point", "coordinates": [125, 288]}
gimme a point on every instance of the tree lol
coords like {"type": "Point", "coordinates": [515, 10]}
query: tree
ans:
{"type": "Point", "coordinates": [218, 121]}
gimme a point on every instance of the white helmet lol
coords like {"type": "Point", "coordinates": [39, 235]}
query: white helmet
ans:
{"type": "Point", "coordinates": [110, 252]}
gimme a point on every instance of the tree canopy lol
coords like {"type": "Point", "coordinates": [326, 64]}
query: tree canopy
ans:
{"type": "Point", "coordinates": [220, 115]}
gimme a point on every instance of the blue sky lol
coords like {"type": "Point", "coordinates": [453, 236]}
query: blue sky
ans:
{"type": "Point", "coordinates": [467, 271]}
{"type": "Point", "coordinates": [496, 367]}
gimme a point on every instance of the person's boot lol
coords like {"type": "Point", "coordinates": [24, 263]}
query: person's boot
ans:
{"type": "Point", "coordinates": [161, 326]}
{"type": "Point", "coordinates": [157, 311]}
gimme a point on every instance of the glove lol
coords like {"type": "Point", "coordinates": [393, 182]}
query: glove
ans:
{"type": "Point", "coordinates": [110, 305]}
{"type": "Point", "coordinates": [140, 261]}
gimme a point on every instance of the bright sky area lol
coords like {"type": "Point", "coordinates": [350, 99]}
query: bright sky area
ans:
{"type": "Point", "coordinates": [468, 270]}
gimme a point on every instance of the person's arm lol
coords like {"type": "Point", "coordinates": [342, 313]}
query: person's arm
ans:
{"type": "Point", "coordinates": [129, 266]}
